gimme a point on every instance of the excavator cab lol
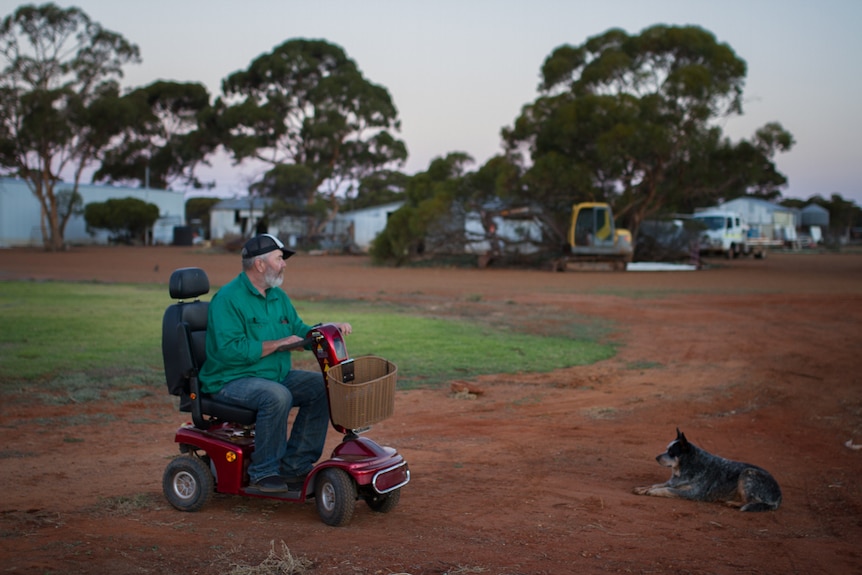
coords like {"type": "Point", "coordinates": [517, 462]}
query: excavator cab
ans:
{"type": "Point", "coordinates": [594, 239]}
{"type": "Point", "coordinates": [592, 225]}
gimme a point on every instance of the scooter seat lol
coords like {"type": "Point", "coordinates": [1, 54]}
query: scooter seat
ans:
{"type": "Point", "coordinates": [220, 410]}
{"type": "Point", "coordinates": [184, 328]}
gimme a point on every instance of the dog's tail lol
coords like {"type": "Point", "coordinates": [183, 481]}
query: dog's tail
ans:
{"type": "Point", "coordinates": [760, 506]}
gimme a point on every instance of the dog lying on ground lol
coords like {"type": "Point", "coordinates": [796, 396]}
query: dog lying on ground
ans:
{"type": "Point", "coordinates": [701, 476]}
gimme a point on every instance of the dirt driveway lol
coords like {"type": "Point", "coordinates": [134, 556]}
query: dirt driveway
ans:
{"type": "Point", "coordinates": [753, 360]}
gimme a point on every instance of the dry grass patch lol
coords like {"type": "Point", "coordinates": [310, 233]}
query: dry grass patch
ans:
{"type": "Point", "coordinates": [279, 562]}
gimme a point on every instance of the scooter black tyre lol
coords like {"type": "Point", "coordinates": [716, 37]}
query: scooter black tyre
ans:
{"type": "Point", "coordinates": [187, 483]}
{"type": "Point", "coordinates": [384, 503]}
{"type": "Point", "coordinates": [335, 496]}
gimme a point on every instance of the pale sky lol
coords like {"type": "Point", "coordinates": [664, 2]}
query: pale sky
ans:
{"type": "Point", "coordinates": [460, 70]}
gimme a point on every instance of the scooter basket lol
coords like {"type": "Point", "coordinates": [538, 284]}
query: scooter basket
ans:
{"type": "Point", "coordinates": [368, 398]}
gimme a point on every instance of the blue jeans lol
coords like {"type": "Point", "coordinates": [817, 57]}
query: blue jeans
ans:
{"type": "Point", "coordinates": [273, 402]}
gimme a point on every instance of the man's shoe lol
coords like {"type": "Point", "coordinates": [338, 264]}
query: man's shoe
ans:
{"type": "Point", "coordinates": [270, 484]}
{"type": "Point", "coordinates": [295, 478]}
{"type": "Point", "coordinates": [295, 482]}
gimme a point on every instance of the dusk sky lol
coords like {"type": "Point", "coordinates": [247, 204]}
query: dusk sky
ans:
{"type": "Point", "coordinates": [459, 71]}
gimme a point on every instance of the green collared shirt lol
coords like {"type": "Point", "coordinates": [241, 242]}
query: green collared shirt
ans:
{"type": "Point", "coordinates": [240, 320]}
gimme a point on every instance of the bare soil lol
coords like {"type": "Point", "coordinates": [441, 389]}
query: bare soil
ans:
{"type": "Point", "coordinates": [753, 360]}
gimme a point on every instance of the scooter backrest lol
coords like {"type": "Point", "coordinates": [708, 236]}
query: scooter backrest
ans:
{"type": "Point", "coordinates": [184, 329]}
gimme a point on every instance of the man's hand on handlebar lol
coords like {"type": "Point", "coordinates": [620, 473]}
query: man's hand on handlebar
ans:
{"type": "Point", "coordinates": [290, 343]}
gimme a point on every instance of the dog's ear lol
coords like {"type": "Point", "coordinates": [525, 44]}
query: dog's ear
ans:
{"type": "Point", "coordinates": [680, 436]}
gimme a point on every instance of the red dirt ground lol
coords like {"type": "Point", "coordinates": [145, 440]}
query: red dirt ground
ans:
{"type": "Point", "coordinates": [757, 360]}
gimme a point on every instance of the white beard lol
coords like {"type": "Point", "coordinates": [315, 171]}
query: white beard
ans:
{"type": "Point", "coordinates": [273, 278]}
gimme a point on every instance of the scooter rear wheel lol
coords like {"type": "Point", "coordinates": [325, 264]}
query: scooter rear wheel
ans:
{"type": "Point", "coordinates": [335, 496]}
{"type": "Point", "coordinates": [187, 483]}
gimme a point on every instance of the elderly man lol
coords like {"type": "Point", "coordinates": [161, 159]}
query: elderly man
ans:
{"type": "Point", "coordinates": [251, 319]}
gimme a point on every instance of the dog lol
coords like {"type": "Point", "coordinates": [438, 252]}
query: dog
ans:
{"type": "Point", "coordinates": [701, 476]}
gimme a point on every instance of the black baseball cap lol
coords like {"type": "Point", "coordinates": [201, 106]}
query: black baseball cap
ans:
{"type": "Point", "coordinates": [263, 244]}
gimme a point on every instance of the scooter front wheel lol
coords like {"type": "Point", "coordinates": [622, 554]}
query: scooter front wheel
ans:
{"type": "Point", "coordinates": [187, 483]}
{"type": "Point", "coordinates": [384, 503]}
{"type": "Point", "coordinates": [335, 496]}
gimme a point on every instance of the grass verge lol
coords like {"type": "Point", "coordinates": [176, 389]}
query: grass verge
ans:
{"type": "Point", "coordinates": [87, 341]}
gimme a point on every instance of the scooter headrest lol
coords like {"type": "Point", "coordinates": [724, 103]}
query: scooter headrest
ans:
{"type": "Point", "coordinates": [188, 283]}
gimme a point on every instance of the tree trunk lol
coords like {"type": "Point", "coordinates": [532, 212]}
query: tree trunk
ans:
{"type": "Point", "coordinates": [52, 232]}
{"type": "Point", "coordinates": [57, 242]}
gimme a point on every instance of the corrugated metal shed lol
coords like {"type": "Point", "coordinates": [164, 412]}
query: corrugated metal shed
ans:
{"type": "Point", "coordinates": [364, 225]}
{"type": "Point", "coordinates": [20, 213]}
{"type": "Point", "coordinates": [770, 220]}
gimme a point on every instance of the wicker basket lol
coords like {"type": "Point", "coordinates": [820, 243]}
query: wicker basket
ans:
{"type": "Point", "coordinates": [369, 398]}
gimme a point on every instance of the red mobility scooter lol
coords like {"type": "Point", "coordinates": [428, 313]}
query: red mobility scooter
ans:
{"type": "Point", "coordinates": [217, 445]}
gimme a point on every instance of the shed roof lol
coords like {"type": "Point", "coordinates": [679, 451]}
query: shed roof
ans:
{"type": "Point", "coordinates": [244, 203]}
{"type": "Point", "coordinates": [815, 208]}
{"type": "Point", "coordinates": [765, 204]}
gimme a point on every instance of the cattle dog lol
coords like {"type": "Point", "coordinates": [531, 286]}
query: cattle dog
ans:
{"type": "Point", "coordinates": [701, 476]}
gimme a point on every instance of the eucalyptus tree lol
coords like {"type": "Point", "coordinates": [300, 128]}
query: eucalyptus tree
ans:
{"type": "Point", "coordinates": [438, 204]}
{"type": "Point", "coordinates": [632, 119]}
{"type": "Point", "coordinates": [424, 223]}
{"type": "Point", "coordinates": [165, 135]}
{"type": "Point", "coordinates": [492, 192]}
{"type": "Point", "coordinates": [844, 214]}
{"type": "Point", "coordinates": [378, 188]}
{"type": "Point", "coordinates": [58, 102]}
{"type": "Point", "coordinates": [307, 104]}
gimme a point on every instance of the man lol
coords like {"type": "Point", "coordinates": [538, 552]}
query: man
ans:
{"type": "Point", "coordinates": [250, 320]}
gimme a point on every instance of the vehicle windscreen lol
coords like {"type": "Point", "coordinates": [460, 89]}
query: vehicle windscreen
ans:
{"type": "Point", "coordinates": [712, 222]}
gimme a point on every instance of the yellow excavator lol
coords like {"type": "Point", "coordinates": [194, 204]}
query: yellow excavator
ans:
{"type": "Point", "coordinates": [593, 242]}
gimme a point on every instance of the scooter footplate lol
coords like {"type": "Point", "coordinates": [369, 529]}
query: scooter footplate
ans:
{"type": "Point", "coordinates": [284, 495]}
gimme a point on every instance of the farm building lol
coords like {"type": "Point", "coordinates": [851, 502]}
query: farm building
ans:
{"type": "Point", "coordinates": [463, 233]}
{"type": "Point", "coordinates": [770, 220]}
{"type": "Point", "coordinates": [20, 213]}
{"type": "Point", "coordinates": [814, 215]}
{"type": "Point", "coordinates": [360, 227]}
{"type": "Point", "coordinates": [814, 219]}
{"type": "Point", "coordinates": [244, 217]}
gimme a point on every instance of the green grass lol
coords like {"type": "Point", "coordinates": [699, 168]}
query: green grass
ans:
{"type": "Point", "coordinates": [66, 328]}
{"type": "Point", "coordinates": [431, 351]}
{"type": "Point", "coordinates": [84, 341]}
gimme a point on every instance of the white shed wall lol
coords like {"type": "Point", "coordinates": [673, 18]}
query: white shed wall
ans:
{"type": "Point", "coordinates": [20, 213]}
{"type": "Point", "coordinates": [368, 223]}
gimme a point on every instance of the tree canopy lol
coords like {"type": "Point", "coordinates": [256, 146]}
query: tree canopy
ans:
{"type": "Point", "coordinates": [425, 218]}
{"type": "Point", "coordinates": [58, 95]}
{"type": "Point", "coordinates": [306, 111]}
{"type": "Point", "coordinates": [165, 136]}
{"type": "Point", "coordinates": [128, 219]}
{"type": "Point", "coordinates": [632, 120]}
{"type": "Point", "coordinates": [378, 188]}
{"type": "Point", "coordinates": [198, 212]}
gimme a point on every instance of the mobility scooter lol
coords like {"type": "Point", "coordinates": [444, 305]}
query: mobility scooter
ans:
{"type": "Point", "coordinates": [216, 446]}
